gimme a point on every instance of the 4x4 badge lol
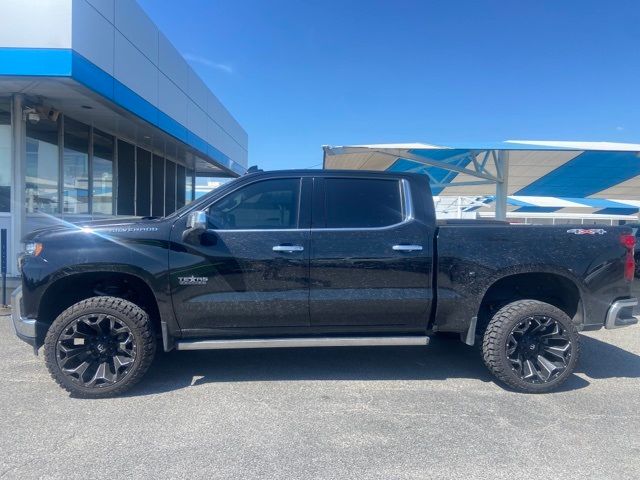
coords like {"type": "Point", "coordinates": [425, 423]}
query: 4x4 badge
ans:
{"type": "Point", "coordinates": [587, 231]}
{"type": "Point", "coordinates": [193, 280]}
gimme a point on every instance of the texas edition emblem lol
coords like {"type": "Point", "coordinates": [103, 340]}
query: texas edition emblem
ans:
{"type": "Point", "coordinates": [193, 280]}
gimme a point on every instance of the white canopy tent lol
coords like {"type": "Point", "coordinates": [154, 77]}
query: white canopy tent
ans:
{"type": "Point", "coordinates": [571, 170]}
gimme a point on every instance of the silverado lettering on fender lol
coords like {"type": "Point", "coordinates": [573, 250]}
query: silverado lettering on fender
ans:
{"type": "Point", "coordinates": [315, 259]}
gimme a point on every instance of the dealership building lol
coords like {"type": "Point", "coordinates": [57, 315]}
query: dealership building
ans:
{"type": "Point", "coordinates": [101, 116]}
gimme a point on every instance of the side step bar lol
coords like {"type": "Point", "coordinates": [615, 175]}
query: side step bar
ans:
{"type": "Point", "coordinates": [300, 342]}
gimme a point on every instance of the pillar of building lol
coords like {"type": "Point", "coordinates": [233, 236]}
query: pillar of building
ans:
{"type": "Point", "coordinates": [502, 185]}
{"type": "Point", "coordinates": [18, 165]}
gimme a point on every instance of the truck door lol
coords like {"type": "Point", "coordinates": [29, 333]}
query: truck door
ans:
{"type": "Point", "coordinates": [250, 269]}
{"type": "Point", "coordinates": [371, 258]}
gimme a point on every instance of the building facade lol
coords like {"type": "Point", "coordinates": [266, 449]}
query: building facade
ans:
{"type": "Point", "coordinates": [100, 116]}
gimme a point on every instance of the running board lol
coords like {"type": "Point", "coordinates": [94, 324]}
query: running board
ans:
{"type": "Point", "coordinates": [300, 342]}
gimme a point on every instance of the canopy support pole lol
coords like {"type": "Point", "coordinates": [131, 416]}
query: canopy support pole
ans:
{"type": "Point", "coordinates": [502, 184]}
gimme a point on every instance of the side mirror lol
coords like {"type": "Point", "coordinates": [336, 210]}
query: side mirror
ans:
{"type": "Point", "coordinates": [196, 226]}
{"type": "Point", "coordinates": [197, 221]}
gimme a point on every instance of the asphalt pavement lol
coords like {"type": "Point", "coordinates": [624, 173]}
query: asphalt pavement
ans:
{"type": "Point", "coordinates": [342, 413]}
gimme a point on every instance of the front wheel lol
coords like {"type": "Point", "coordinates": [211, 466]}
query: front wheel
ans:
{"type": "Point", "coordinates": [531, 346]}
{"type": "Point", "coordinates": [99, 347]}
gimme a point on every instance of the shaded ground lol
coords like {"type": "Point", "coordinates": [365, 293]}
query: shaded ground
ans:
{"type": "Point", "coordinates": [326, 413]}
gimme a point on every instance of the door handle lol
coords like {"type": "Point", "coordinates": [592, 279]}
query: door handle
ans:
{"type": "Point", "coordinates": [407, 248]}
{"type": "Point", "coordinates": [288, 248]}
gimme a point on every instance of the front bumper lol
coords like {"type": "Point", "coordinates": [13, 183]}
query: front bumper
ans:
{"type": "Point", "coordinates": [24, 328]}
{"type": "Point", "coordinates": [620, 314]}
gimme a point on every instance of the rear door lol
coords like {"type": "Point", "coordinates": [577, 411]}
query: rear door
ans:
{"type": "Point", "coordinates": [371, 259]}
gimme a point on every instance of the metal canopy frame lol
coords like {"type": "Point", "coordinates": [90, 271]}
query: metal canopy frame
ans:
{"type": "Point", "coordinates": [498, 158]}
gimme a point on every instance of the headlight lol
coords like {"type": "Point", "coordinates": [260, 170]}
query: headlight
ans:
{"type": "Point", "coordinates": [33, 248]}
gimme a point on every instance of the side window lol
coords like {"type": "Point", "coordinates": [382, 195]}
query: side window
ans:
{"type": "Point", "coordinates": [269, 204]}
{"type": "Point", "coordinates": [362, 202]}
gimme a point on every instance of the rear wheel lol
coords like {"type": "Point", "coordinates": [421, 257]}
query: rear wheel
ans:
{"type": "Point", "coordinates": [99, 347]}
{"type": "Point", "coordinates": [531, 346]}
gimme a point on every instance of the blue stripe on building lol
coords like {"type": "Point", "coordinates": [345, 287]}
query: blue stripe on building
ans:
{"type": "Point", "coordinates": [51, 62]}
{"type": "Point", "coordinates": [36, 62]}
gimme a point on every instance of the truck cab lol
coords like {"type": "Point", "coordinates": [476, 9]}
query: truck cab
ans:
{"type": "Point", "coordinates": [306, 254]}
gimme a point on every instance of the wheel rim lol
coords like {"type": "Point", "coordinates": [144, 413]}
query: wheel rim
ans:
{"type": "Point", "coordinates": [539, 349]}
{"type": "Point", "coordinates": [96, 350]}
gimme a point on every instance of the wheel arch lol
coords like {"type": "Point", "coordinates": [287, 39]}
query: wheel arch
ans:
{"type": "Point", "coordinates": [552, 287]}
{"type": "Point", "coordinates": [67, 290]}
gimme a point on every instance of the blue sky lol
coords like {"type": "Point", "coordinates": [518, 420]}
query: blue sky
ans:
{"type": "Point", "coordinates": [300, 74]}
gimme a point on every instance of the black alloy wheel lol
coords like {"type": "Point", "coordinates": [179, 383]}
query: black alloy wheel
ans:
{"type": "Point", "coordinates": [100, 347]}
{"type": "Point", "coordinates": [531, 346]}
{"type": "Point", "coordinates": [539, 349]}
{"type": "Point", "coordinates": [96, 350]}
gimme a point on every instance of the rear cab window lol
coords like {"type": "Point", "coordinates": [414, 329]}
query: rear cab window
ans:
{"type": "Point", "coordinates": [362, 202]}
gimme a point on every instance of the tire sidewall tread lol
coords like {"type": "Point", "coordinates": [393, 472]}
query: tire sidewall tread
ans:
{"type": "Point", "coordinates": [138, 322]}
{"type": "Point", "coordinates": [495, 338]}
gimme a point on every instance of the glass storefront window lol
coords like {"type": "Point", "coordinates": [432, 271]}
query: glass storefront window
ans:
{"type": "Point", "coordinates": [126, 178]}
{"type": "Point", "coordinates": [189, 186]}
{"type": "Point", "coordinates": [102, 175]}
{"type": "Point", "coordinates": [41, 176]}
{"type": "Point", "coordinates": [157, 204]}
{"type": "Point", "coordinates": [72, 168]}
{"type": "Point", "coordinates": [75, 167]}
{"type": "Point", "coordinates": [180, 186]}
{"type": "Point", "coordinates": [169, 187]}
{"type": "Point", "coordinates": [5, 156]}
{"type": "Point", "coordinates": [143, 182]}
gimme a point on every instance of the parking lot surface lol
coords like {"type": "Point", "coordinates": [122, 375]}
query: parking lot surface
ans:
{"type": "Point", "coordinates": [339, 413]}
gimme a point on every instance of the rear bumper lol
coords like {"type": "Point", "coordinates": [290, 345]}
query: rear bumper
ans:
{"type": "Point", "coordinates": [620, 314]}
{"type": "Point", "coordinates": [24, 328]}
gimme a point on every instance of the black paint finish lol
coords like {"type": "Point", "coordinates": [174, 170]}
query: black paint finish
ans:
{"type": "Point", "coordinates": [357, 279]}
{"type": "Point", "coordinates": [344, 281]}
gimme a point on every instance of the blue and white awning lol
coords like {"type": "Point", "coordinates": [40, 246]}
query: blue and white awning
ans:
{"type": "Point", "coordinates": [532, 204]}
{"type": "Point", "coordinates": [541, 174]}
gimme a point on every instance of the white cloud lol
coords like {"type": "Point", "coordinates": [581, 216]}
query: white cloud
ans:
{"type": "Point", "coordinates": [209, 63]}
{"type": "Point", "coordinates": [619, 128]}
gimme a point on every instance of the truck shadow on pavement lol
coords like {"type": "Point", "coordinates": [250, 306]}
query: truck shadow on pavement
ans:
{"type": "Point", "coordinates": [444, 358]}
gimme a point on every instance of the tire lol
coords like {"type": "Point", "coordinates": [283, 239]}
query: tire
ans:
{"type": "Point", "coordinates": [99, 347]}
{"type": "Point", "coordinates": [522, 332]}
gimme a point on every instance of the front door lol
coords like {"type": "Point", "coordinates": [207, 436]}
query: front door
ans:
{"type": "Point", "coordinates": [371, 261]}
{"type": "Point", "coordinates": [250, 269]}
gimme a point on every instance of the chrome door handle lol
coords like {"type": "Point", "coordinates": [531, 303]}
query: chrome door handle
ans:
{"type": "Point", "coordinates": [288, 248]}
{"type": "Point", "coordinates": [407, 248]}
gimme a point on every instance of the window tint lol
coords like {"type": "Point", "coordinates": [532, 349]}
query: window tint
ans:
{"type": "Point", "coordinates": [170, 187]}
{"type": "Point", "coordinates": [158, 187]}
{"type": "Point", "coordinates": [362, 203]}
{"type": "Point", "coordinates": [143, 183]}
{"type": "Point", "coordinates": [126, 178]}
{"type": "Point", "coordinates": [269, 204]}
{"type": "Point", "coordinates": [180, 186]}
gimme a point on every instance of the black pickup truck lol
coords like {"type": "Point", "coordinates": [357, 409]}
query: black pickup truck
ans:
{"type": "Point", "coordinates": [316, 259]}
